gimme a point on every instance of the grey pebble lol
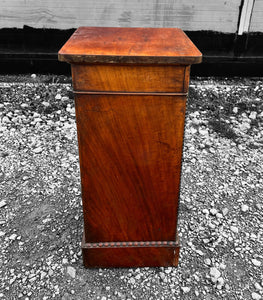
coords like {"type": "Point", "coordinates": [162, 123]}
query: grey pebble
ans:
{"type": "Point", "coordinates": [2, 203]}
{"type": "Point", "coordinates": [71, 271]}
{"type": "Point", "coordinates": [256, 296]}
{"type": "Point", "coordinates": [256, 262]}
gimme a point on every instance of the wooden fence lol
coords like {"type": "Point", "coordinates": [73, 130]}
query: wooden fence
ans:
{"type": "Point", "coordinates": [226, 16]}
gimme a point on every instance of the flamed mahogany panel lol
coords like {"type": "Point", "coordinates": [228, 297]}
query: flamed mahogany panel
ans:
{"type": "Point", "coordinates": [129, 78]}
{"type": "Point", "coordinates": [130, 158]}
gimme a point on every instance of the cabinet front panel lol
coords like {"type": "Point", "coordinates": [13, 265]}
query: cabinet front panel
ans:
{"type": "Point", "coordinates": [130, 158]}
{"type": "Point", "coordinates": [134, 78]}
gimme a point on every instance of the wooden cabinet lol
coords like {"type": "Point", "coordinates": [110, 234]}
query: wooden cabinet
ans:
{"type": "Point", "coordinates": [130, 88]}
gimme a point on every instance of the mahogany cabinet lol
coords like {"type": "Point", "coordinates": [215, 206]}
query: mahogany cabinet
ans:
{"type": "Point", "coordinates": [130, 87]}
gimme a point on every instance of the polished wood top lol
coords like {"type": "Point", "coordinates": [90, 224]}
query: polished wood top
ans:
{"type": "Point", "coordinates": [130, 45]}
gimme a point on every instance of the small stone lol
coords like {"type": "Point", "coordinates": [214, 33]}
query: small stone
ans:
{"type": "Point", "coordinates": [258, 286]}
{"type": "Point", "coordinates": [33, 76]}
{"type": "Point", "coordinates": [244, 208]}
{"type": "Point", "coordinates": [64, 261]}
{"type": "Point", "coordinates": [5, 119]}
{"type": "Point", "coordinates": [37, 150]}
{"type": "Point", "coordinates": [253, 236]}
{"type": "Point", "coordinates": [2, 233]}
{"type": "Point", "coordinates": [215, 274]}
{"type": "Point", "coordinates": [245, 126]}
{"type": "Point", "coordinates": [24, 105]}
{"type": "Point", "coordinates": [256, 262]}
{"type": "Point", "coordinates": [50, 272]}
{"type": "Point", "coordinates": [2, 128]}
{"type": "Point", "coordinates": [107, 288]}
{"type": "Point", "coordinates": [225, 211]}
{"type": "Point", "coordinates": [38, 120]}
{"type": "Point", "coordinates": [220, 281]}
{"type": "Point", "coordinates": [58, 97]}
{"type": "Point", "coordinates": [13, 236]}
{"type": "Point", "coordinates": [253, 115]}
{"type": "Point", "coordinates": [71, 271]}
{"type": "Point", "coordinates": [213, 211]}
{"type": "Point", "coordinates": [2, 203]}
{"type": "Point", "coordinates": [193, 130]}
{"type": "Point", "coordinates": [43, 275]}
{"type": "Point", "coordinates": [219, 216]}
{"type": "Point", "coordinates": [162, 275]}
{"type": "Point", "coordinates": [12, 280]}
{"type": "Point", "coordinates": [203, 131]}
{"type": "Point", "coordinates": [199, 252]}
{"type": "Point", "coordinates": [255, 296]}
{"type": "Point", "coordinates": [234, 229]}
{"type": "Point", "coordinates": [132, 281]}
{"type": "Point", "coordinates": [235, 110]}
{"type": "Point", "coordinates": [208, 261]}
{"type": "Point", "coordinates": [45, 103]}
{"type": "Point", "coordinates": [185, 289]}
{"type": "Point", "coordinates": [168, 270]}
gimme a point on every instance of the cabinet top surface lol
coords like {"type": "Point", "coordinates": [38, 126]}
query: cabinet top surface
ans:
{"type": "Point", "coordinates": [129, 45]}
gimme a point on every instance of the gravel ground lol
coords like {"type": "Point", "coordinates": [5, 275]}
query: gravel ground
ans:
{"type": "Point", "coordinates": [220, 220]}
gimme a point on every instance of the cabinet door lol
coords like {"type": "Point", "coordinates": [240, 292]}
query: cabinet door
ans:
{"type": "Point", "coordinates": [130, 150]}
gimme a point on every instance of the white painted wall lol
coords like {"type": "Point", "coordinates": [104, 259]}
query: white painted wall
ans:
{"type": "Point", "coordinates": [217, 15]}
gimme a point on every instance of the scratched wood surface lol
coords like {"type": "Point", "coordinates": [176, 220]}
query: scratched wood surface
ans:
{"type": "Point", "coordinates": [221, 15]}
{"type": "Point", "coordinates": [129, 46]}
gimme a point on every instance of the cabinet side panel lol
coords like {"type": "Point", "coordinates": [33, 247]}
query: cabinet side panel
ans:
{"type": "Point", "coordinates": [130, 158]}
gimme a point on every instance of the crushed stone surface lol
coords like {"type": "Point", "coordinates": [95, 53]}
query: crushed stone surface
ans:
{"type": "Point", "coordinates": [221, 211]}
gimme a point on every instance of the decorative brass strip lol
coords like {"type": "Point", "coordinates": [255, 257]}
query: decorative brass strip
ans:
{"type": "Point", "coordinates": [131, 244]}
{"type": "Point", "coordinates": [128, 93]}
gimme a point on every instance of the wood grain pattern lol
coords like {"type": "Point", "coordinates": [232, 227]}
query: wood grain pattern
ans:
{"type": "Point", "coordinates": [130, 159]}
{"type": "Point", "coordinates": [130, 124]}
{"type": "Point", "coordinates": [128, 78]}
{"type": "Point", "coordinates": [129, 45]}
{"type": "Point", "coordinates": [221, 15]}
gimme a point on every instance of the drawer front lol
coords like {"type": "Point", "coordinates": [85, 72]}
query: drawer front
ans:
{"type": "Point", "coordinates": [124, 78]}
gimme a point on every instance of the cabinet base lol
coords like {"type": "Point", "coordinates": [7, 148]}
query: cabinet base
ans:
{"type": "Point", "coordinates": [130, 254]}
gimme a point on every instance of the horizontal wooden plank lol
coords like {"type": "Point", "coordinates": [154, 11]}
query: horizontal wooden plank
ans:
{"type": "Point", "coordinates": [103, 78]}
{"type": "Point", "coordinates": [187, 14]}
